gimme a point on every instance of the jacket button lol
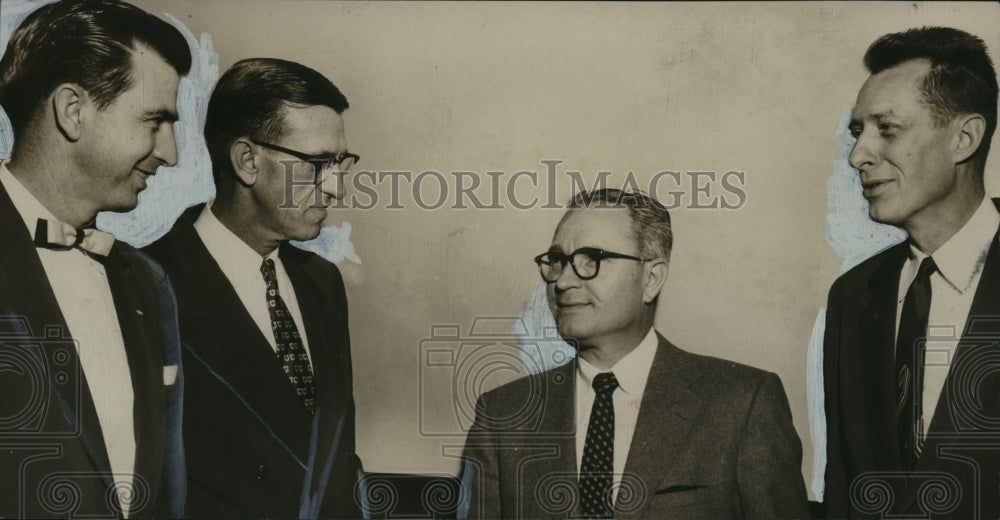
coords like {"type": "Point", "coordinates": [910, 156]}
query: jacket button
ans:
{"type": "Point", "coordinates": [260, 472]}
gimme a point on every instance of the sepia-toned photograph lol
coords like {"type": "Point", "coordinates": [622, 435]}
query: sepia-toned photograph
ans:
{"type": "Point", "coordinates": [449, 260]}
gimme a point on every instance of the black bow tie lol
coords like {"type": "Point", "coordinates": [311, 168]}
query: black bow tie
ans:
{"type": "Point", "coordinates": [52, 234]}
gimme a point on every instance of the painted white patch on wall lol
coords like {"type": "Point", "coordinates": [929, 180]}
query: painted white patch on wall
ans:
{"type": "Point", "coordinates": [855, 237]}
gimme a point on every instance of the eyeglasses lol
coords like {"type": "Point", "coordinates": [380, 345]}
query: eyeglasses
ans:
{"type": "Point", "coordinates": [586, 262]}
{"type": "Point", "coordinates": [322, 163]}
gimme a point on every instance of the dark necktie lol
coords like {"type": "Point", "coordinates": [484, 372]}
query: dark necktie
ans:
{"type": "Point", "coordinates": [290, 351]}
{"type": "Point", "coordinates": [597, 467]}
{"type": "Point", "coordinates": [910, 345]}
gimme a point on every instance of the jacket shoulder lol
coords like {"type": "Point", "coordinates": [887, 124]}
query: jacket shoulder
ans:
{"type": "Point", "coordinates": [321, 268]}
{"type": "Point", "coordinates": [517, 394]}
{"type": "Point", "coordinates": [141, 262]}
{"type": "Point", "coordinates": [722, 375]}
{"type": "Point", "coordinates": [860, 274]}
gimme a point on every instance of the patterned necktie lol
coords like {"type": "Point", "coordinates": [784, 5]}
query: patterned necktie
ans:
{"type": "Point", "coordinates": [910, 346]}
{"type": "Point", "coordinates": [52, 234]}
{"type": "Point", "coordinates": [290, 351]}
{"type": "Point", "coordinates": [597, 466]}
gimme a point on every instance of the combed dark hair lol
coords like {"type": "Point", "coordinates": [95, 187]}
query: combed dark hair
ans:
{"type": "Point", "coordinates": [650, 219]}
{"type": "Point", "coordinates": [249, 101]}
{"type": "Point", "coordinates": [962, 79]}
{"type": "Point", "coordinates": [87, 42]}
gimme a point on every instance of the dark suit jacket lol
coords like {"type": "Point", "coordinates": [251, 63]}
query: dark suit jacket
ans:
{"type": "Point", "coordinates": [252, 448]}
{"type": "Point", "coordinates": [53, 460]}
{"type": "Point", "coordinates": [956, 476]}
{"type": "Point", "coordinates": [714, 439]}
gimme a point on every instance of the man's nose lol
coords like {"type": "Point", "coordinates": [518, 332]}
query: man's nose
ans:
{"type": "Point", "coordinates": [863, 155]}
{"type": "Point", "coordinates": [165, 146]}
{"type": "Point", "coordinates": [333, 183]}
{"type": "Point", "coordinates": [567, 278]}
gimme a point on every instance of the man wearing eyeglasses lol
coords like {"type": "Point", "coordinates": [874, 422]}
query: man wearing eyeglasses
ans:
{"type": "Point", "coordinates": [636, 427]}
{"type": "Point", "coordinates": [269, 407]}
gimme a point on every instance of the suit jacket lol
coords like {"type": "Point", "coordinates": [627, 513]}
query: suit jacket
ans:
{"type": "Point", "coordinates": [957, 473]}
{"type": "Point", "coordinates": [714, 439]}
{"type": "Point", "coordinates": [252, 448]}
{"type": "Point", "coordinates": [53, 459]}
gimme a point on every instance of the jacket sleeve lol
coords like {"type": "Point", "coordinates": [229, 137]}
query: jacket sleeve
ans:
{"type": "Point", "coordinates": [770, 457]}
{"type": "Point", "coordinates": [835, 480]}
{"type": "Point", "coordinates": [480, 472]}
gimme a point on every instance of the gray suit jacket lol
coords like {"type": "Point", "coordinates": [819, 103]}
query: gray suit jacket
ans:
{"type": "Point", "coordinates": [714, 439]}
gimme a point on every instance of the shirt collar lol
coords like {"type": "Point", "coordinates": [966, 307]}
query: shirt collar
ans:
{"type": "Point", "coordinates": [25, 203]}
{"type": "Point", "coordinates": [631, 371]}
{"type": "Point", "coordinates": [227, 248]}
{"type": "Point", "coordinates": [961, 258]}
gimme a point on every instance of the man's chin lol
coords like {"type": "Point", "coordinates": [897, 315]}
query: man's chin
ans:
{"type": "Point", "coordinates": [307, 233]}
{"type": "Point", "coordinates": [882, 217]}
{"type": "Point", "coordinates": [122, 206]}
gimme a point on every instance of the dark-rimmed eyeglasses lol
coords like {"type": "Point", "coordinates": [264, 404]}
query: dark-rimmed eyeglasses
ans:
{"type": "Point", "coordinates": [586, 262]}
{"type": "Point", "coordinates": [322, 163]}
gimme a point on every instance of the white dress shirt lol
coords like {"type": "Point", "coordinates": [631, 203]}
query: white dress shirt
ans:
{"type": "Point", "coordinates": [81, 288]}
{"type": "Point", "coordinates": [241, 265]}
{"type": "Point", "coordinates": [960, 263]}
{"type": "Point", "coordinates": [631, 371]}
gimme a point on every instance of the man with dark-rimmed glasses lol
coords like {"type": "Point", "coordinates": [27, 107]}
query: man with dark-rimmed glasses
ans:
{"type": "Point", "coordinates": [635, 427]}
{"type": "Point", "coordinates": [269, 407]}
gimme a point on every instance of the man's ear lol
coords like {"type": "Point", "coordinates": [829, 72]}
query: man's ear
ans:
{"type": "Point", "coordinates": [971, 129]}
{"type": "Point", "coordinates": [69, 101]}
{"type": "Point", "coordinates": [656, 274]}
{"type": "Point", "coordinates": [246, 163]}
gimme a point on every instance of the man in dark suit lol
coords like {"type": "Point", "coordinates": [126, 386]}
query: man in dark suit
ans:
{"type": "Point", "coordinates": [911, 363]}
{"type": "Point", "coordinates": [89, 351]}
{"type": "Point", "coordinates": [636, 427]}
{"type": "Point", "coordinates": [269, 406]}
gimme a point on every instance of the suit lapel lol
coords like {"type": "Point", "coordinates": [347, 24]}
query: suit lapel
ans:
{"type": "Point", "coordinates": [238, 353]}
{"type": "Point", "coordinates": [878, 332]}
{"type": "Point", "coordinates": [971, 396]}
{"type": "Point", "coordinates": [27, 294]}
{"type": "Point", "coordinates": [145, 367]}
{"type": "Point", "coordinates": [329, 370]}
{"type": "Point", "coordinates": [665, 415]}
{"type": "Point", "coordinates": [557, 429]}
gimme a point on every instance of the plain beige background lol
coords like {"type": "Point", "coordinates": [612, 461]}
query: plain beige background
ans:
{"type": "Point", "coordinates": [757, 88]}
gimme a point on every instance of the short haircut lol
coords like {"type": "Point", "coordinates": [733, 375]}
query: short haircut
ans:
{"type": "Point", "coordinates": [962, 79]}
{"type": "Point", "coordinates": [650, 219]}
{"type": "Point", "coordinates": [87, 42]}
{"type": "Point", "coordinates": [250, 100]}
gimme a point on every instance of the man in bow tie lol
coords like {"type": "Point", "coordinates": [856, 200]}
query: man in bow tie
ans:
{"type": "Point", "coordinates": [911, 363]}
{"type": "Point", "coordinates": [264, 324]}
{"type": "Point", "coordinates": [634, 427]}
{"type": "Point", "coordinates": [89, 352]}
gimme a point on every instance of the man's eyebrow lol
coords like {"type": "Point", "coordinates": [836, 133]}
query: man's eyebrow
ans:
{"type": "Point", "coordinates": [875, 116]}
{"type": "Point", "coordinates": [162, 114]}
{"type": "Point", "coordinates": [883, 115]}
